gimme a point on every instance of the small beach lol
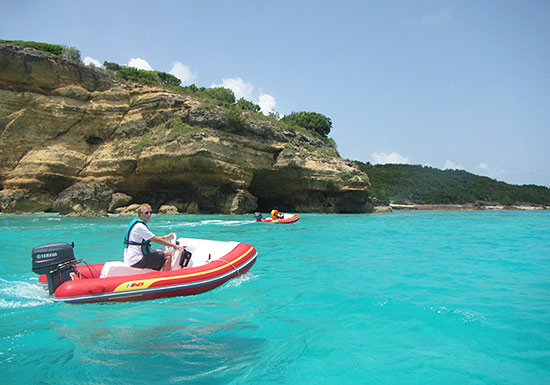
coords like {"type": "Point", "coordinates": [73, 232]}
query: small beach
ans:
{"type": "Point", "coordinates": [469, 206]}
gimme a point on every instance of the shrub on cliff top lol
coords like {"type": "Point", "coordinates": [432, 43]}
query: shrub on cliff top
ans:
{"type": "Point", "coordinates": [54, 49]}
{"type": "Point", "coordinates": [143, 76]}
{"type": "Point", "coordinates": [111, 66]}
{"type": "Point", "coordinates": [246, 105]}
{"type": "Point", "coordinates": [234, 119]}
{"type": "Point", "coordinates": [311, 121]}
{"type": "Point", "coordinates": [224, 95]}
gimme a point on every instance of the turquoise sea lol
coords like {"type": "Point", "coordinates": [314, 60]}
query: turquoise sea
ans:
{"type": "Point", "coordinates": [440, 297]}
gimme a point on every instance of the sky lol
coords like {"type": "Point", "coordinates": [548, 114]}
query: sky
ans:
{"type": "Point", "coordinates": [446, 84]}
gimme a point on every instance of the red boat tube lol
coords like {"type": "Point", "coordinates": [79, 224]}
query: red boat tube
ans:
{"type": "Point", "coordinates": [212, 264]}
{"type": "Point", "coordinates": [287, 218]}
{"type": "Point", "coordinates": [284, 218]}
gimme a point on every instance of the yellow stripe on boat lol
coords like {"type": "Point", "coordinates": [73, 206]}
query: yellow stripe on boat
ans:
{"type": "Point", "coordinates": [145, 283]}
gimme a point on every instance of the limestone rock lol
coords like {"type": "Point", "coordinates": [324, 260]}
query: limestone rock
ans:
{"type": "Point", "coordinates": [25, 201]}
{"type": "Point", "coordinates": [118, 200]}
{"type": "Point", "coordinates": [167, 209]}
{"type": "Point", "coordinates": [192, 208]}
{"type": "Point", "coordinates": [127, 211]}
{"type": "Point", "coordinates": [76, 141]}
{"type": "Point", "coordinates": [90, 199]}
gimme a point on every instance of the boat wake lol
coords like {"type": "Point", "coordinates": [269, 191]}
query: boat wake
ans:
{"type": "Point", "coordinates": [183, 225]}
{"type": "Point", "coordinates": [241, 279]}
{"type": "Point", "coordinates": [20, 294]}
{"type": "Point", "coordinates": [219, 222]}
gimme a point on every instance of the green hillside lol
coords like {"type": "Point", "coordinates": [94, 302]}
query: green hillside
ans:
{"type": "Point", "coordinates": [414, 184]}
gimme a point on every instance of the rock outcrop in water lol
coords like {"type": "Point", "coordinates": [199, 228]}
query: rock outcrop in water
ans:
{"type": "Point", "coordinates": [75, 141]}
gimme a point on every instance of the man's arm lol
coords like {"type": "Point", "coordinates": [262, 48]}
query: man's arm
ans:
{"type": "Point", "coordinates": [162, 241]}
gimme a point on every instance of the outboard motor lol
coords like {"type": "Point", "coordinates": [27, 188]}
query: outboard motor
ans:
{"type": "Point", "coordinates": [258, 217]}
{"type": "Point", "coordinates": [56, 260]}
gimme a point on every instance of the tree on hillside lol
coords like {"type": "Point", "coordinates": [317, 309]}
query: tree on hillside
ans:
{"type": "Point", "coordinates": [111, 66]}
{"type": "Point", "coordinates": [246, 105]}
{"type": "Point", "coordinates": [403, 183]}
{"type": "Point", "coordinates": [310, 121]}
{"type": "Point", "coordinates": [224, 95]}
{"type": "Point", "coordinates": [168, 79]}
{"type": "Point", "coordinates": [71, 53]}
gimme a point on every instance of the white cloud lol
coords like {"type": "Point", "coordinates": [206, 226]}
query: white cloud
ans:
{"type": "Point", "coordinates": [450, 165]}
{"type": "Point", "coordinates": [442, 17]}
{"type": "Point", "coordinates": [267, 103]}
{"type": "Point", "coordinates": [90, 60]}
{"type": "Point", "coordinates": [140, 64]}
{"type": "Point", "coordinates": [238, 86]}
{"type": "Point", "coordinates": [483, 166]}
{"type": "Point", "coordinates": [383, 158]}
{"type": "Point", "coordinates": [183, 73]}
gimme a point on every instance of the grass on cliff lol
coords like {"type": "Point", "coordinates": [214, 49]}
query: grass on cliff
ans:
{"type": "Point", "coordinates": [166, 132]}
{"type": "Point", "coordinates": [69, 53]}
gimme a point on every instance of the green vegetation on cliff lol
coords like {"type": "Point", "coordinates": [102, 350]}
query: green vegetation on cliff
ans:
{"type": "Point", "coordinates": [222, 96]}
{"type": "Point", "coordinates": [238, 113]}
{"type": "Point", "coordinates": [311, 121]}
{"type": "Point", "coordinates": [315, 123]}
{"type": "Point", "coordinates": [69, 53]}
{"type": "Point", "coordinates": [154, 78]}
{"type": "Point", "coordinates": [401, 184]}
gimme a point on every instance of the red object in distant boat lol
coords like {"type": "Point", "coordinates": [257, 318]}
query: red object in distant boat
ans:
{"type": "Point", "coordinates": [287, 218]}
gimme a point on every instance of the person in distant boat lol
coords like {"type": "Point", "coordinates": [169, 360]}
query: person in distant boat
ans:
{"type": "Point", "coordinates": [275, 214]}
{"type": "Point", "coordinates": [137, 244]}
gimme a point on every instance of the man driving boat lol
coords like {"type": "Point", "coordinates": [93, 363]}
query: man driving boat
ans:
{"type": "Point", "coordinates": [137, 244]}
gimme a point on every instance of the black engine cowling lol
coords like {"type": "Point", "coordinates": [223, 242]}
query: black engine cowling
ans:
{"type": "Point", "coordinates": [56, 260]}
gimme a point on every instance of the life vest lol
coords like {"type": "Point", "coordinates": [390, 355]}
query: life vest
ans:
{"type": "Point", "coordinates": [275, 214]}
{"type": "Point", "coordinates": [145, 245]}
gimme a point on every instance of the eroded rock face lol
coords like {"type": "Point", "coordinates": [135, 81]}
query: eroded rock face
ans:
{"type": "Point", "coordinates": [84, 198]}
{"type": "Point", "coordinates": [75, 141]}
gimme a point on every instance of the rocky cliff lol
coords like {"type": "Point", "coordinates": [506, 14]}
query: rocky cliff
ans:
{"type": "Point", "coordinates": [75, 141]}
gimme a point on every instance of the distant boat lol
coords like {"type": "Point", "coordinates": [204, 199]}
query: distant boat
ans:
{"type": "Point", "coordinates": [285, 218]}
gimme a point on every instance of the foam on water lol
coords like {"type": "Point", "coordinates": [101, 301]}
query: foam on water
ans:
{"type": "Point", "coordinates": [20, 294]}
{"type": "Point", "coordinates": [242, 279]}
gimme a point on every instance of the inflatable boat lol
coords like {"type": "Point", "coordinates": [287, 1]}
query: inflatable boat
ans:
{"type": "Point", "coordinates": [285, 218]}
{"type": "Point", "coordinates": [202, 266]}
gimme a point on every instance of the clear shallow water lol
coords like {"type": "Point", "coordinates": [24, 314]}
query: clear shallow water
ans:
{"type": "Point", "coordinates": [402, 298]}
